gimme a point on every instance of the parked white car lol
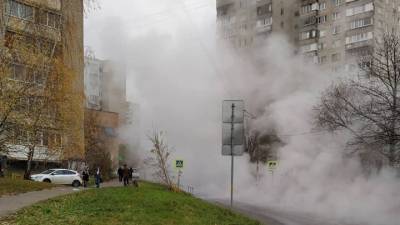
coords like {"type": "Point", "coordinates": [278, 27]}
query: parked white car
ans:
{"type": "Point", "coordinates": [59, 176]}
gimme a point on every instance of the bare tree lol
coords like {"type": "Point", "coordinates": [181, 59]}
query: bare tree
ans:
{"type": "Point", "coordinates": [368, 106]}
{"type": "Point", "coordinates": [262, 147]}
{"type": "Point", "coordinates": [96, 154]}
{"type": "Point", "coordinates": [160, 155]}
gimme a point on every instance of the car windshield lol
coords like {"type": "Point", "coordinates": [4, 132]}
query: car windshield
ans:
{"type": "Point", "coordinates": [47, 172]}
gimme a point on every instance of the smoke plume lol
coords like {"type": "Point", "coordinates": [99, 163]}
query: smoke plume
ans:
{"type": "Point", "coordinates": [179, 74]}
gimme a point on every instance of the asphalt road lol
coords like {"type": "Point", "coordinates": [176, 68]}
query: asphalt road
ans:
{"type": "Point", "coordinates": [274, 217]}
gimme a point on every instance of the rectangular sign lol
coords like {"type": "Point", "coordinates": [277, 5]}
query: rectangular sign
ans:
{"type": "Point", "coordinates": [238, 150]}
{"type": "Point", "coordinates": [233, 127]}
{"type": "Point", "coordinates": [179, 164]}
{"type": "Point", "coordinates": [238, 111]}
{"type": "Point", "coordinates": [272, 165]}
{"type": "Point", "coordinates": [237, 135]}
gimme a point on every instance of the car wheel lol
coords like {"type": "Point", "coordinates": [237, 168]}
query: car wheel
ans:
{"type": "Point", "coordinates": [76, 183]}
{"type": "Point", "coordinates": [47, 180]}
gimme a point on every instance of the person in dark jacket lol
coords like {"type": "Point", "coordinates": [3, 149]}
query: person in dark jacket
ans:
{"type": "Point", "coordinates": [120, 174]}
{"type": "Point", "coordinates": [85, 177]}
{"type": "Point", "coordinates": [125, 173]}
{"type": "Point", "coordinates": [97, 177]}
{"type": "Point", "coordinates": [130, 173]}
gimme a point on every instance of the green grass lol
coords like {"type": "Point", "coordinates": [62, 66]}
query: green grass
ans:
{"type": "Point", "coordinates": [148, 204]}
{"type": "Point", "coordinates": [10, 186]}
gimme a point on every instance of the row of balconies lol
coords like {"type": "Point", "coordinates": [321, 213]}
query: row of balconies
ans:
{"type": "Point", "coordinates": [33, 19]}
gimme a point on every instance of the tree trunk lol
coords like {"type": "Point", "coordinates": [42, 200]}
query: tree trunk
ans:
{"type": "Point", "coordinates": [28, 169]}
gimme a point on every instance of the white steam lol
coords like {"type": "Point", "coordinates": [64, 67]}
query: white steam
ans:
{"type": "Point", "coordinates": [179, 75]}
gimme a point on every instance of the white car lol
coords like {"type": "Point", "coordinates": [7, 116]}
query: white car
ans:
{"type": "Point", "coordinates": [59, 176]}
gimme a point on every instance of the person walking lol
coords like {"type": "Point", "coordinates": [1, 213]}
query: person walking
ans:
{"type": "Point", "coordinates": [97, 177]}
{"type": "Point", "coordinates": [130, 173]}
{"type": "Point", "coordinates": [120, 174]}
{"type": "Point", "coordinates": [125, 173]}
{"type": "Point", "coordinates": [85, 177]}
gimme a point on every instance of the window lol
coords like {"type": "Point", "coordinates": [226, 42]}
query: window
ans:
{"type": "Point", "coordinates": [68, 172]}
{"type": "Point", "coordinates": [337, 2]}
{"type": "Point", "coordinates": [361, 23]}
{"type": "Point", "coordinates": [310, 20]}
{"type": "Point", "coordinates": [322, 6]}
{"type": "Point", "coordinates": [20, 10]}
{"type": "Point", "coordinates": [309, 48]}
{"type": "Point", "coordinates": [322, 33]}
{"type": "Point", "coordinates": [335, 16]}
{"type": "Point", "coordinates": [264, 9]}
{"type": "Point", "coordinates": [308, 34]}
{"type": "Point", "coordinates": [360, 9]}
{"type": "Point", "coordinates": [264, 22]}
{"type": "Point", "coordinates": [336, 30]}
{"type": "Point", "coordinates": [306, 9]}
{"type": "Point", "coordinates": [50, 19]}
{"type": "Point", "coordinates": [322, 19]}
{"type": "Point", "coordinates": [359, 37]}
{"type": "Point", "coordinates": [310, 7]}
{"type": "Point", "coordinates": [18, 72]}
{"type": "Point", "coordinates": [38, 78]}
{"type": "Point", "coordinates": [59, 172]}
{"type": "Point", "coordinates": [223, 10]}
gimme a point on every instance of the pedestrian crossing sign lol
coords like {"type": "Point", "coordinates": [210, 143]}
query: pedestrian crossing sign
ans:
{"type": "Point", "coordinates": [179, 164]}
{"type": "Point", "coordinates": [272, 165]}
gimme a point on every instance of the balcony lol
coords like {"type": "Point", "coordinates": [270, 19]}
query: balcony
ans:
{"type": "Point", "coordinates": [51, 4]}
{"type": "Point", "coordinates": [263, 28]}
{"type": "Point", "coordinates": [360, 44]}
{"type": "Point", "coordinates": [29, 27]}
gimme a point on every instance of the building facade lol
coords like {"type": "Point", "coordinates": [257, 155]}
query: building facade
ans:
{"type": "Point", "coordinates": [328, 32]}
{"type": "Point", "coordinates": [105, 91]}
{"type": "Point", "coordinates": [54, 26]}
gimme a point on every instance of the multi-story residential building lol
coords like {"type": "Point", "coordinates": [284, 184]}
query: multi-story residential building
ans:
{"type": "Point", "coordinates": [55, 23]}
{"type": "Point", "coordinates": [248, 22]}
{"type": "Point", "coordinates": [328, 32]}
{"type": "Point", "coordinates": [105, 91]}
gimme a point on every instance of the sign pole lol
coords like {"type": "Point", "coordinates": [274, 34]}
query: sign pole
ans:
{"type": "Point", "coordinates": [179, 178]}
{"type": "Point", "coordinates": [232, 155]}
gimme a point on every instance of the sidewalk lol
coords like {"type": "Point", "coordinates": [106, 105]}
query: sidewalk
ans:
{"type": "Point", "coordinates": [11, 204]}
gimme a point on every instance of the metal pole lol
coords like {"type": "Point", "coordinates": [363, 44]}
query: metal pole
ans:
{"type": "Point", "coordinates": [232, 156]}
{"type": "Point", "coordinates": [179, 179]}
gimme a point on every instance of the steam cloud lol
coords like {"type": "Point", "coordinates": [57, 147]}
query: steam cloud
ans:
{"type": "Point", "coordinates": [179, 74]}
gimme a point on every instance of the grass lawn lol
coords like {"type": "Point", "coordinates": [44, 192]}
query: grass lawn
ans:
{"type": "Point", "coordinates": [10, 186]}
{"type": "Point", "coordinates": [148, 204]}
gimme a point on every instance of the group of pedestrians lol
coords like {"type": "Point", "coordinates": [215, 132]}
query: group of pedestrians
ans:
{"type": "Point", "coordinates": [97, 177]}
{"type": "Point", "coordinates": [125, 175]}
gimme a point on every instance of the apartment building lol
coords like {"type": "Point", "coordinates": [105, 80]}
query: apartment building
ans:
{"type": "Point", "coordinates": [105, 87]}
{"type": "Point", "coordinates": [328, 32]}
{"type": "Point", "coordinates": [105, 91]}
{"type": "Point", "coordinates": [55, 23]}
